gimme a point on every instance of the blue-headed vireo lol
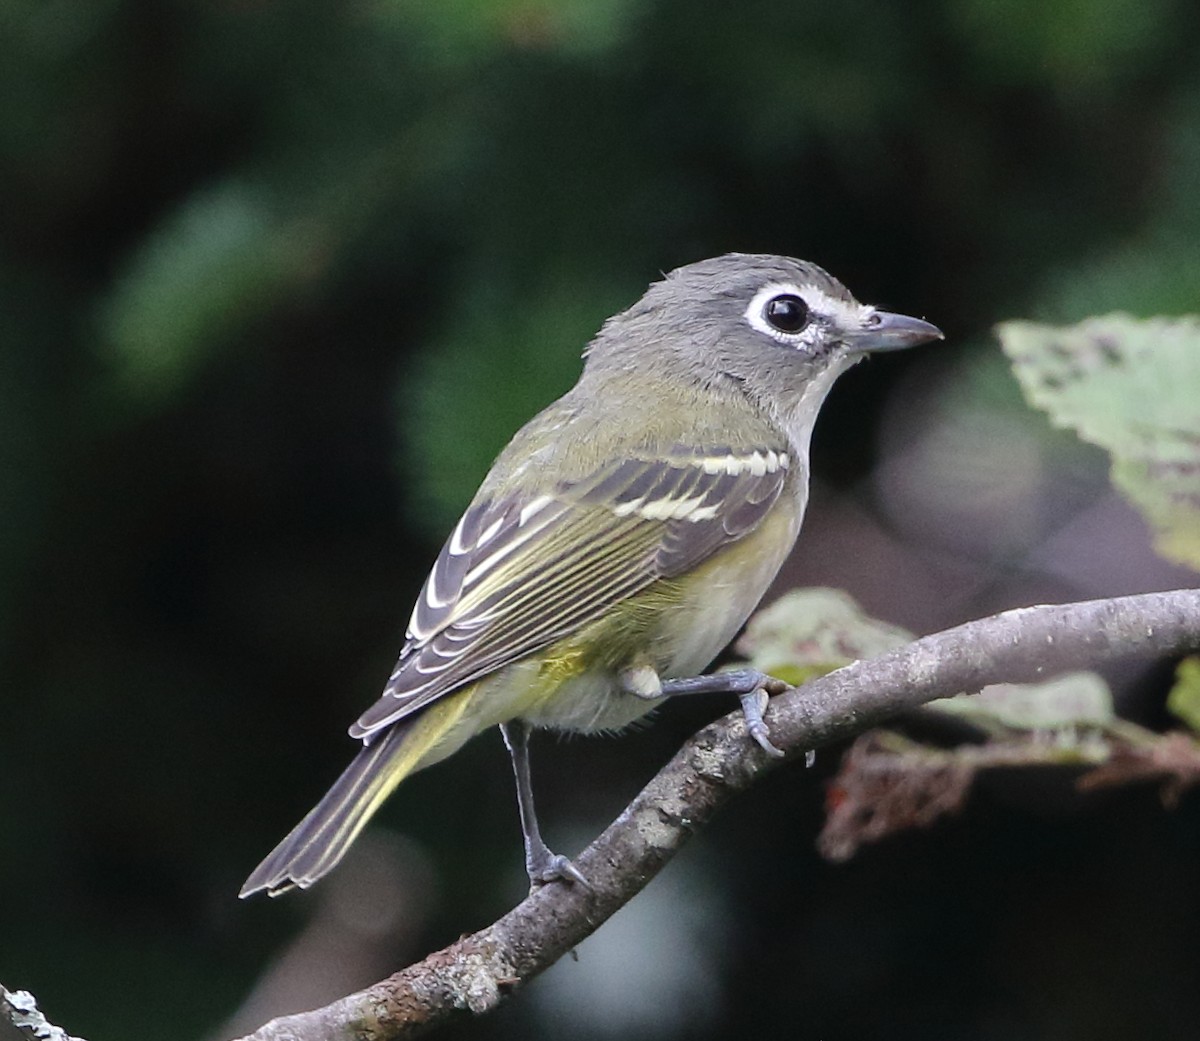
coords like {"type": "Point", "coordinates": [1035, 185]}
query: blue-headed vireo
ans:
{"type": "Point", "coordinates": [618, 543]}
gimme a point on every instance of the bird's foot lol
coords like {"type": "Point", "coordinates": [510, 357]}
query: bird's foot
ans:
{"type": "Point", "coordinates": [553, 867]}
{"type": "Point", "coordinates": [753, 688]}
{"type": "Point", "coordinates": [754, 703]}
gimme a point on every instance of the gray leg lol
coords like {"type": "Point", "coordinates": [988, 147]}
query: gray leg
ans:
{"type": "Point", "coordinates": [753, 689]}
{"type": "Point", "coordinates": [540, 862]}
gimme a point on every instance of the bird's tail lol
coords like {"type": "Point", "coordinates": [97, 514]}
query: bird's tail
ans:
{"type": "Point", "coordinates": [314, 846]}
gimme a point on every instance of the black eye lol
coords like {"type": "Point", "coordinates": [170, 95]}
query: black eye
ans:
{"type": "Point", "coordinates": [788, 313]}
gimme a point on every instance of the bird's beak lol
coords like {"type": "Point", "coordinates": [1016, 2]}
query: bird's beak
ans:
{"type": "Point", "coordinates": [885, 331]}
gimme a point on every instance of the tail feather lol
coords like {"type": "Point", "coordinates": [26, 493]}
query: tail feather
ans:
{"type": "Point", "coordinates": [314, 846]}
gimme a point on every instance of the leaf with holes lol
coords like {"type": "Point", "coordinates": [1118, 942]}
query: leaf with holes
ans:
{"type": "Point", "coordinates": [1073, 700]}
{"type": "Point", "coordinates": [809, 632]}
{"type": "Point", "coordinates": [1131, 386]}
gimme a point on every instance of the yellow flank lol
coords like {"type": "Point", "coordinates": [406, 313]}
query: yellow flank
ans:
{"type": "Point", "coordinates": [614, 642]}
{"type": "Point", "coordinates": [560, 662]}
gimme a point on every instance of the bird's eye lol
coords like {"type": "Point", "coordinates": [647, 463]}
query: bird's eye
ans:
{"type": "Point", "coordinates": [787, 313]}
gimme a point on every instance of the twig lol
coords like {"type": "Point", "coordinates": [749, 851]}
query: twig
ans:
{"type": "Point", "coordinates": [472, 975]}
{"type": "Point", "coordinates": [21, 1018]}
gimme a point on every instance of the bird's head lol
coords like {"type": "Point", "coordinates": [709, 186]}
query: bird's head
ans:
{"type": "Point", "coordinates": [777, 329]}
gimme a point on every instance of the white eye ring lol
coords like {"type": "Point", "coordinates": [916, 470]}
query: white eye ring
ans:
{"type": "Point", "coordinates": [826, 313]}
{"type": "Point", "coordinates": [756, 313]}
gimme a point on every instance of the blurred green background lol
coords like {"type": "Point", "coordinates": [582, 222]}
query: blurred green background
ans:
{"type": "Point", "coordinates": [277, 279]}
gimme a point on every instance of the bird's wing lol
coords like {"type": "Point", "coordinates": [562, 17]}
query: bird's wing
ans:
{"type": "Point", "coordinates": [518, 574]}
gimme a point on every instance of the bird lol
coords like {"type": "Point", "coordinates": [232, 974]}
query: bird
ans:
{"type": "Point", "coordinates": [618, 543]}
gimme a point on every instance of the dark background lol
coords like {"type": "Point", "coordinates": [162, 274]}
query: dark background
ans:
{"type": "Point", "coordinates": [276, 282]}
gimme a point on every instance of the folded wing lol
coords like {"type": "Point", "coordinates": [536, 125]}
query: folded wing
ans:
{"type": "Point", "coordinates": [517, 574]}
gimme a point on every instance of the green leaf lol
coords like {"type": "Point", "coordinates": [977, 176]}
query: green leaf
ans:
{"type": "Point", "coordinates": [1183, 701]}
{"type": "Point", "coordinates": [1074, 699]}
{"type": "Point", "coordinates": [457, 31]}
{"type": "Point", "coordinates": [1075, 45]}
{"type": "Point", "coordinates": [215, 264]}
{"type": "Point", "coordinates": [1130, 386]}
{"type": "Point", "coordinates": [809, 632]}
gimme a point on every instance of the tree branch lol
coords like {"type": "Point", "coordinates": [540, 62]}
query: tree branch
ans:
{"type": "Point", "coordinates": [22, 1020]}
{"type": "Point", "coordinates": [475, 973]}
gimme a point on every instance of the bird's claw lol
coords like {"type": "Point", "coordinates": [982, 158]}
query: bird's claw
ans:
{"type": "Point", "coordinates": [557, 868]}
{"type": "Point", "coordinates": [754, 703]}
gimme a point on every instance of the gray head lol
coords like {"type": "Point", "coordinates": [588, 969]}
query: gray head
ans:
{"type": "Point", "coordinates": [777, 329]}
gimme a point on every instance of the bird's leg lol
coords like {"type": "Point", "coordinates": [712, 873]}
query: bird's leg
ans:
{"type": "Point", "coordinates": [752, 687]}
{"type": "Point", "coordinates": [542, 864]}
